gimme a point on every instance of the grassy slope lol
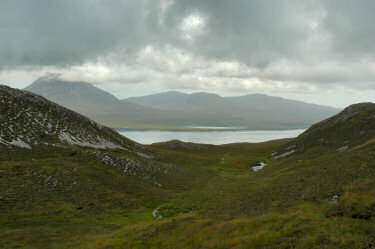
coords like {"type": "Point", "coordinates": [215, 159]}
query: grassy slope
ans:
{"type": "Point", "coordinates": [57, 197]}
{"type": "Point", "coordinates": [223, 205]}
{"type": "Point", "coordinates": [287, 205]}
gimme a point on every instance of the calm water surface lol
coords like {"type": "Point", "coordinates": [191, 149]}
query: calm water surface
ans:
{"type": "Point", "coordinates": [209, 137]}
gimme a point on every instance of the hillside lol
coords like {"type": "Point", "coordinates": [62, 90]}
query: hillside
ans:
{"type": "Point", "coordinates": [29, 121]}
{"type": "Point", "coordinates": [319, 197]}
{"type": "Point", "coordinates": [350, 128]}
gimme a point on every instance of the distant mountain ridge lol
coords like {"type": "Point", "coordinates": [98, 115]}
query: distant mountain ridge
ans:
{"type": "Point", "coordinates": [171, 110]}
{"type": "Point", "coordinates": [256, 105]}
{"type": "Point", "coordinates": [174, 100]}
{"type": "Point", "coordinates": [277, 106]}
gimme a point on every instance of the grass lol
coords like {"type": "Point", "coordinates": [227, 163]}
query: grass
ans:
{"type": "Point", "coordinates": [304, 226]}
{"type": "Point", "coordinates": [222, 204]}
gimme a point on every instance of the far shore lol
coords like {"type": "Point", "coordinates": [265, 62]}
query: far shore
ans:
{"type": "Point", "coordinates": [203, 129]}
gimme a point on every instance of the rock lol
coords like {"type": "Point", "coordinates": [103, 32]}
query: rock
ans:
{"type": "Point", "coordinates": [335, 198]}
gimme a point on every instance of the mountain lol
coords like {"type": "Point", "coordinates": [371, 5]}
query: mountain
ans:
{"type": "Point", "coordinates": [261, 104]}
{"type": "Point", "coordinates": [175, 110]}
{"type": "Point", "coordinates": [161, 100]}
{"type": "Point", "coordinates": [174, 100]}
{"type": "Point", "coordinates": [95, 103]}
{"type": "Point", "coordinates": [81, 96]}
{"type": "Point", "coordinates": [75, 94]}
{"type": "Point", "coordinates": [254, 109]}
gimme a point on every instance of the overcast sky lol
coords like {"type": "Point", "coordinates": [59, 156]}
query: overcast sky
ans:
{"type": "Point", "coordinates": [317, 51]}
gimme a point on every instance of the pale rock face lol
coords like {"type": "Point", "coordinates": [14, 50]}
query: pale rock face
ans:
{"type": "Point", "coordinates": [100, 143]}
{"type": "Point", "coordinates": [20, 143]}
{"type": "Point", "coordinates": [284, 154]}
{"type": "Point", "coordinates": [342, 149]}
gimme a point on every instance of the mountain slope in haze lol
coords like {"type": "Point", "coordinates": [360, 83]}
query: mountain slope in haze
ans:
{"type": "Point", "coordinates": [174, 100]}
{"type": "Point", "coordinates": [80, 96]}
{"type": "Point", "coordinates": [261, 104]}
{"type": "Point", "coordinates": [174, 109]}
{"type": "Point", "coordinates": [350, 128]}
{"type": "Point", "coordinates": [252, 108]}
{"type": "Point", "coordinates": [95, 103]}
{"type": "Point", "coordinates": [160, 100]}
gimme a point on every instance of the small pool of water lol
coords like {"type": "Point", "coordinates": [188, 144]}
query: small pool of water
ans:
{"type": "Point", "coordinates": [258, 166]}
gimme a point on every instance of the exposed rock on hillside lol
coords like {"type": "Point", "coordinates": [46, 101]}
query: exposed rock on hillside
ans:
{"type": "Point", "coordinates": [27, 119]}
{"type": "Point", "coordinates": [142, 168]}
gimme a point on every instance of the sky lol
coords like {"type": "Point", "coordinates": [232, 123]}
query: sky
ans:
{"type": "Point", "coordinates": [313, 50]}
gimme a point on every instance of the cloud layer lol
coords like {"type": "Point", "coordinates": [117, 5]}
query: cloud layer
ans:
{"type": "Point", "coordinates": [286, 46]}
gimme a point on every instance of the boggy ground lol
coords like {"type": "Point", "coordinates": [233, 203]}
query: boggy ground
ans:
{"type": "Point", "coordinates": [54, 197]}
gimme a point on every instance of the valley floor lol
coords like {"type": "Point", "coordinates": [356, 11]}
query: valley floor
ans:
{"type": "Point", "coordinates": [60, 198]}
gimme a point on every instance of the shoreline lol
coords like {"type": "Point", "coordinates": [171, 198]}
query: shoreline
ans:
{"type": "Point", "coordinates": [186, 129]}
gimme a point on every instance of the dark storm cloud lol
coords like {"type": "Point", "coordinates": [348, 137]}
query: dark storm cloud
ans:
{"type": "Point", "coordinates": [66, 32]}
{"type": "Point", "coordinates": [352, 26]}
{"type": "Point", "coordinates": [255, 32]}
{"type": "Point", "coordinates": [259, 34]}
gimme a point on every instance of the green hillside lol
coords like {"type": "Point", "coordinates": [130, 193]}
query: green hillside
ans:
{"type": "Point", "coordinates": [352, 127]}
